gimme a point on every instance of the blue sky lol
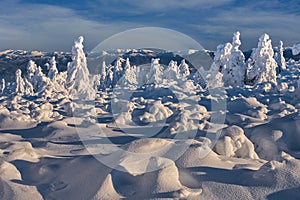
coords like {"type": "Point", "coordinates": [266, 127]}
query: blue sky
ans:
{"type": "Point", "coordinates": [52, 25]}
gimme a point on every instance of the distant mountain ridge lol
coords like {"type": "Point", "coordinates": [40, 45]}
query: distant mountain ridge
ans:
{"type": "Point", "coordinates": [11, 60]}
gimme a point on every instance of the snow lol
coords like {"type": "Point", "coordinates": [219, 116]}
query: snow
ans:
{"type": "Point", "coordinates": [150, 131]}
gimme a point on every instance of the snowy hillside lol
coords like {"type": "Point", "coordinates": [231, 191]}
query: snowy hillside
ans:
{"type": "Point", "coordinates": [148, 125]}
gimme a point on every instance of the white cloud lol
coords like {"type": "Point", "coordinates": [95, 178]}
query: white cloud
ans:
{"type": "Point", "coordinates": [252, 23]}
{"type": "Point", "coordinates": [45, 27]}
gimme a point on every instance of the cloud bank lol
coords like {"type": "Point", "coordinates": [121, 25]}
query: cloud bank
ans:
{"type": "Point", "coordinates": [52, 25]}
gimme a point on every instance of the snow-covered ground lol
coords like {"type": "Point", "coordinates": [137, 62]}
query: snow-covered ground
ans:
{"type": "Point", "coordinates": [154, 131]}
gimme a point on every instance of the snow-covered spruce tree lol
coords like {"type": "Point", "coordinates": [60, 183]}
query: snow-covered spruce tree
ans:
{"type": "Point", "coordinates": [234, 72]}
{"type": "Point", "coordinates": [78, 81]}
{"type": "Point", "coordinates": [280, 58]}
{"type": "Point", "coordinates": [263, 67]}
{"type": "Point", "coordinates": [184, 69]}
{"type": "Point", "coordinates": [2, 85]}
{"type": "Point", "coordinates": [103, 76]}
{"type": "Point", "coordinates": [222, 55]}
{"type": "Point", "coordinates": [28, 87]}
{"type": "Point", "coordinates": [39, 80]}
{"type": "Point", "coordinates": [129, 78]}
{"type": "Point", "coordinates": [215, 78]}
{"type": "Point", "coordinates": [156, 72]}
{"type": "Point", "coordinates": [127, 64]}
{"type": "Point", "coordinates": [118, 71]}
{"type": "Point", "coordinates": [221, 58]}
{"type": "Point", "coordinates": [172, 71]}
{"type": "Point", "coordinates": [109, 78]}
{"type": "Point", "coordinates": [52, 69]}
{"type": "Point", "coordinates": [19, 84]}
{"type": "Point", "coordinates": [31, 68]}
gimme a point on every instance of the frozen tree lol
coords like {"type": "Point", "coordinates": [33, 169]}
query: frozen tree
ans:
{"type": "Point", "coordinates": [127, 64]}
{"type": "Point", "coordinates": [234, 72]}
{"type": "Point", "coordinates": [129, 78]}
{"type": "Point", "coordinates": [215, 77]}
{"type": "Point", "coordinates": [103, 76]}
{"type": "Point", "coordinates": [184, 69]}
{"type": "Point", "coordinates": [28, 87]}
{"type": "Point", "coordinates": [52, 73]}
{"type": "Point", "coordinates": [280, 58]}
{"type": "Point", "coordinates": [39, 80]}
{"type": "Point", "coordinates": [31, 68]}
{"type": "Point", "coordinates": [156, 72]}
{"type": "Point", "coordinates": [221, 60]}
{"type": "Point", "coordinates": [118, 71]}
{"type": "Point", "coordinates": [172, 71]}
{"type": "Point", "coordinates": [96, 81]}
{"type": "Point", "coordinates": [222, 55]}
{"type": "Point", "coordinates": [263, 67]}
{"type": "Point", "coordinates": [19, 84]}
{"type": "Point", "coordinates": [78, 81]}
{"type": "Point", "coordinates": [2, 85]}
{"type": "Point", "coordinates": [109, 77]}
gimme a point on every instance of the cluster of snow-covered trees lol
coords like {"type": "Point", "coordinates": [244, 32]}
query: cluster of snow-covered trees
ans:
{"type": "Point", "coordinates": [131, 75]}
{"type": "Point", "coordinates": [75, 82]}
{"type": "Point", "coordinates": [229, 68]}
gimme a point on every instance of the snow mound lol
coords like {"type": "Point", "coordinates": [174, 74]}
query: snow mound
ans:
{"type": "Point", "coordinates": [234, 143]}
{"type": "Point", "coordinates": [199, 154]}
{"type": "Point", "coordinates": [107, 190]}
{"type": "Point", "coordinates": [147, 145]}
{"type": "Point", "coordinates": [163, 183]}
{"type": "Point", "coordinates": [275, 173]}
{"type": "Point", "coordinates": [248, 108]}
{"type": "Point", "coordinates": [157, 112]}
{"type": "Point", "coordinates": [21, 151]}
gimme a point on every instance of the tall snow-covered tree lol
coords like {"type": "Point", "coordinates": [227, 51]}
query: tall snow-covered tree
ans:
{"type": "Point", "coordinates": [19, 84]}
{"type": "Point", "coordinates": [31, 68]}
{"type": "Point", "coordinates": [78, 81]}
{"type": "Point", "coordinates": [118, 71]}
{"type": "Point", "coordinates": [222, 55]}
{"type": "Point", "coordinates": [234, 73]}
{"type": "Point", "coordinates": [221, 60]}
{"type": "Point", "coordinates": [103, 75]}
{"type": "Point", "coordinates": [156, 72]}
{"type": "Point", "coordinates": [184, 68]}
{"type": "Point", "coordinates": [280, 58]}
{"type": "Point", "coordinates": [129, 78]}
{"type": "Point", "coordinates": [263, 67]}
{"type": "Point", "coordinates": [109, 78]}
{"type": "Point", "coordinates": [172, 71]}
{"type": "Point", "coordinates": [2, 85]}
{"type": "Point", "coordinates": [28, 87]}
{"type": "Point", "coordinates": [127, 64]}
{"type": "Point", "coordinates": [39, 80]}
{"type": "Point", "coordinates": [52, 69]}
